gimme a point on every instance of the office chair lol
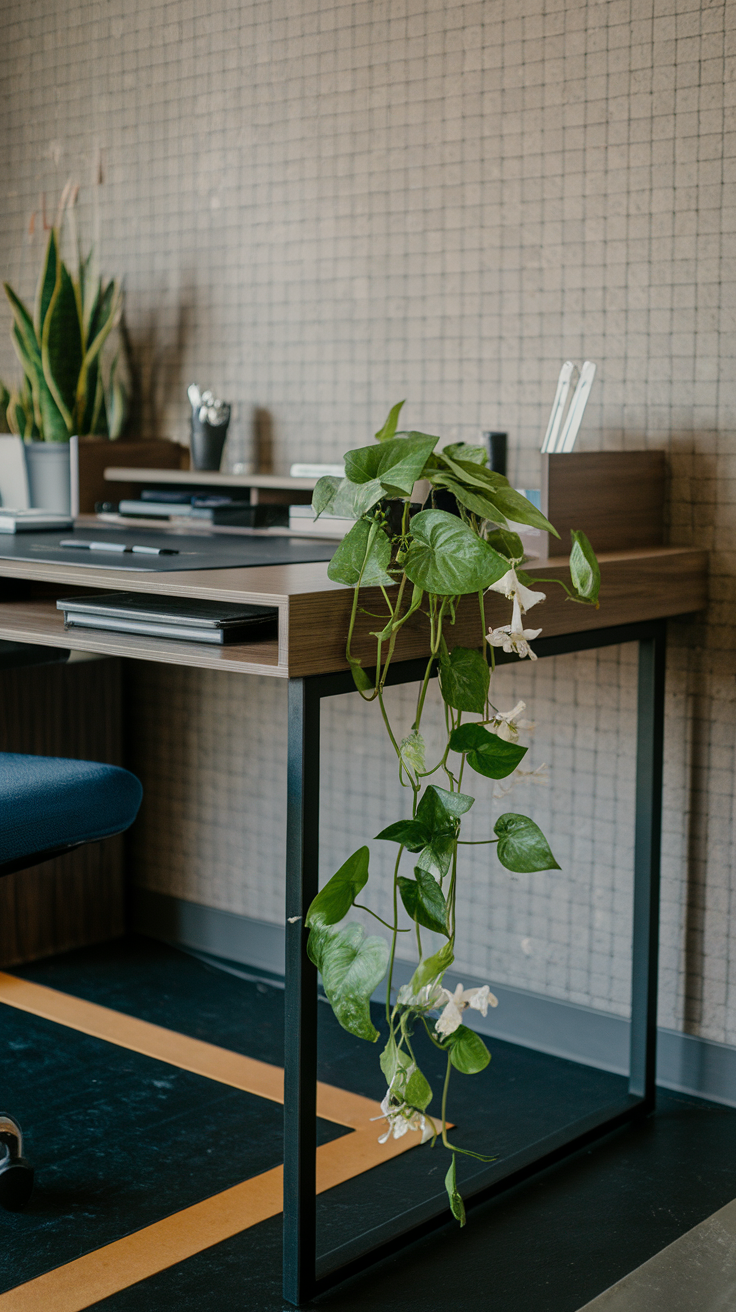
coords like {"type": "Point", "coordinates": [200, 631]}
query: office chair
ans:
{"type": "Point", "coordinates": [48, 806]}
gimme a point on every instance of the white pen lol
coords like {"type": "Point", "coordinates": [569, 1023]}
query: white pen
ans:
{"type": "Point", "coordinates": [76, 545]}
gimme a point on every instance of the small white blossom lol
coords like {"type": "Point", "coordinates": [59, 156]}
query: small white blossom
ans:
{"type": "Point", "coordinates": [506, 724]}
{"type": "Point", "coordinates": [426, 999]}
{"type": "Point", "coordinates": [514, 640]}
{"type": "Point", "coordinates": [478, 999]}
{"type": "Point", "coordinates": [510, 587]}
{"type": "Point", "coordinates": [401, 1117]}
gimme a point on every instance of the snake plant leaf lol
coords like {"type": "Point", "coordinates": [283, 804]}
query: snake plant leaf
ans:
{"type": "Point", "coordinates": [46, 282]}
{"type": "Point", "coordinates": [362, 557]}
{"type": "Point", "coordinates": [446, 557]}
{"type": "Point", "coordinates": [424, 900]}
{"type": "Point", "coordinates": [107, 317]}
{"type": "Point", "coordinates": [584, 568]}
{"type": "Point", "coordinates": [61, 347]}
{"type": "Point", "coordinates": [457, 1206]}
{"type": "Point", "coordinates": [516, 507]}
{"type": "Point", "coordinates": [352, 966]}
{"type": "Point", "coordinates": [396, 464]}
{"type": "Point", "coordinates": [389, 428]}
{"type": "Point", "coordinates": [116, 403]}
{"type": "Point", "coordinates": [333, 902]}
{"type": "Point", "coordinates": [487, 754]}
{"type": "Point", "coordinates": [522, 847]}
{"type": "Point", "coordinates": [432, 968]}
{"type": "Point", "coordinates": [24, 325]}
{"type": "Point", "coordinates": [468, 1052]}
{"type": "Point", "coordinates": [464, 679]}
{"type": "Point", "coordinates": [47, 418]}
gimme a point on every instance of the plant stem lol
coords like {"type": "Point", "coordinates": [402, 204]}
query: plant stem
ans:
{"type": "Point", "coordinates": [444, 1102]}
{"type": "Point", "coordinates": [393, 940]}
{"type": "Point", "coordinates": [361, 907]}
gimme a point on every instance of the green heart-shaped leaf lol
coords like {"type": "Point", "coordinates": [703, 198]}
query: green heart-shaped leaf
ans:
{"type": "Point", "coordinates": [468, 1052]}
{"type": "Point", "coordinates": [446, 557]}
{"type": "Point", "coordinates": [457, 1207]}
{"type": "Point", "coordinates": [432, 968]}
{"type": "Point", "coordinates": [351, 966]}
{"type": "Point", "coordinates": [396, 463]}
{"type": "Point", "coordinates": [424, 901]}
{"type": "Point", "coordinates": [464, 679]}
{"type": "Point", "coordinates": [584, 568]}
{"type": "Point", "coordinates": [437, 807]}
{"type": "Point", "coordinates": [522, 847]}
{"type": "Point", "coordinates": [412, 834]}
{"type": "Point", "coordinates": [334, 901]}
{"type": "Point", "coordinates": [487, 754]}
{"type": "Point", "coordinates": [362, 557]}
{"type": "Point", "coordinates": [389, 428]}
{"type": "Point", "coordinates": [418, 1092]}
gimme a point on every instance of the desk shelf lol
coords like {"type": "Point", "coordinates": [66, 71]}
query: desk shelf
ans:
{"type": "Point", "coordinates": [41, 622]}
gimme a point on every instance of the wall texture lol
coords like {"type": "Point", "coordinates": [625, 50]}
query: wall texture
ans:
{"type": "Point", "coordinates": [320, 208]}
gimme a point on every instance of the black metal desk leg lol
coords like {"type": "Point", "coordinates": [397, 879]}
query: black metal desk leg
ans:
{"type": "Point", "coordinates": [300, 1006]}
{"type": "Point", "coordinates": [647, 852]}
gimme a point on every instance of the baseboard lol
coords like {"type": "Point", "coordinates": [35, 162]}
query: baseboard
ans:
{"type": "Point", "coordinates": [563, 1029]}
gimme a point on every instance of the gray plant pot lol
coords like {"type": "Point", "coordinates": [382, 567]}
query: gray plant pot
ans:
{"type": "Point", "coordinates": [207, 444]}
{"type": "Point", "coordinates": [49, 478]}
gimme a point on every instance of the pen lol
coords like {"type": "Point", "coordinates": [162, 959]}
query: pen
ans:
{"type": "Point", "coordinates": [117, 546]}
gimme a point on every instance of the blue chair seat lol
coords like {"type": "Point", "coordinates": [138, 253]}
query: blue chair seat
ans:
{"type": "Point", "coordinates": [48, 803]}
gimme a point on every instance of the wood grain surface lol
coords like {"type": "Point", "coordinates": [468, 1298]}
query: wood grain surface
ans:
{"type": "Point", "coordinates": [615, 497]}
{"type": "Point", "coordinates": [314, 613]}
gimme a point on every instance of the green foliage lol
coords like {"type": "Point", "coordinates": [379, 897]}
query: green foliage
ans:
{"type": "Point", "coordinates": [584, 568]}
{"type": "Point", "coordinates": [362, 557]}
{"type": "Point", "coordinates": [468, 1052]}
{"type": "Point", "coordinates": [433, 830]}
{"type": "Point", "coordinates": [389, 428]}
{"type": "Point", "coordinates": [522, 847]}
{"type": "Point", "coordinates": [506, 543]}
{"type": "Point", "coordinates": [516, 507]}
{"type": "Point", "coordinates": [418, 1092]}
{"type": "Point", "coordinates": [447, 558]}
{"type": "Point", "coordinates": [69, 388]}
{"type": "Point", "coordinates": [457, 1207]}
{"type": "Point", "coordinates": [464, 679]}
{"type": "Point", "coordinates": [334, 901]}
{"type": "Point", "coordinates": [432, 968]}
{"type": "Point", "coordinates": [351, 966]}
{"type": "Point", "coordinates": [424, 901]}
{"type": "Point", "coordinates": [487, 753]}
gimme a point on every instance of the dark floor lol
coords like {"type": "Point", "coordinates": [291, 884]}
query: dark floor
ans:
{"type": "Point", "coordinates": [120, 1140]}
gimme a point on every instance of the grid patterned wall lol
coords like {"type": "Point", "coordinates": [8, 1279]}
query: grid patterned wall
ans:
{"type": "Point", "coordinates": [320, 208]}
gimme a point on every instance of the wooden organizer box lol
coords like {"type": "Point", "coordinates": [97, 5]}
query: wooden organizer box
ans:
{"type": "Point", "coordinates": [617, 498]}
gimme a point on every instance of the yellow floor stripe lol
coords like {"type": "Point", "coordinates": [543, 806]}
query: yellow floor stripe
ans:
{"type": "Point", "coordinates": [177, 1049]}
{"type": "Point", "coordinates": [125, 1262]}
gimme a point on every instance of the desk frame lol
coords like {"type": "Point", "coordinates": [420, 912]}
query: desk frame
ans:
{"type": "Point", "coordinates": [304, 1276]}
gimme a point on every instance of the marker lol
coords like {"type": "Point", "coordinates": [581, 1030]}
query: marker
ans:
{"type": "Point", "coordinates": [118, 547]}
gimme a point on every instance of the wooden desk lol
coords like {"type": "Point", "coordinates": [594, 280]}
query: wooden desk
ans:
{"type": "Point", "coordinates": [640, 590]}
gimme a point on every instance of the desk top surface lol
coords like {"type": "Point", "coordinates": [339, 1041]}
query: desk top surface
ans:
{"type": "Point", "coordinates": [314, 612]}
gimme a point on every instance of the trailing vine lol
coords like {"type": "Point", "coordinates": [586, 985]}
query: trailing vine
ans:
{"type": "Point", "coordinates": [424, 559]}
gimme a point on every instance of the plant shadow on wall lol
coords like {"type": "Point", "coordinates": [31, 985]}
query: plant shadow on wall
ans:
{"type": "Point", "coordinates": [422, 561]}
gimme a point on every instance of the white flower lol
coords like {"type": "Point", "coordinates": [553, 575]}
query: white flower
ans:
{"type": "Point", "coordinates": [510, 587]}
{"type": "Point", "coordinates": [478, 999]}
{"type": "Point", "coordinates": [426, 999]}
{"type": "Point", "coordinates": [506, 724]}
{"type": "Point", "coordinates": [401, 1117]}
{"type": "Point", "coordinates": [514, 640]}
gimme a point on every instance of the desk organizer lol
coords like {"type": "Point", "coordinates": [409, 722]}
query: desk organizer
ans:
{"type": "Point", "coordinates": [616, 497]}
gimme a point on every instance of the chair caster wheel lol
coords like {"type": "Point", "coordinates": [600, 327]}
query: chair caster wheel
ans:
{"type": "Point", "coordinates": [16, 1176]}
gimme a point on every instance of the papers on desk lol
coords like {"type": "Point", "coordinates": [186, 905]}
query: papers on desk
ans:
{"type": "Point", "coordinates": [169, 617]}
{"type": "Point", "coordinates": [26, 521]}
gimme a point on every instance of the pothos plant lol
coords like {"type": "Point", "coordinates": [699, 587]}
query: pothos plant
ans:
{"type": "Point", "coordinates": [424, 560]}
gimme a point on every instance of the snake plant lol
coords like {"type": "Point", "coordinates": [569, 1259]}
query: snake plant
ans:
{"type": "Point", "coordinates": [64, 389]}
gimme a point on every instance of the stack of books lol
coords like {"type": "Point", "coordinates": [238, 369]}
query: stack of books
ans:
{"type": "Point", "coordinates": [169, 617]}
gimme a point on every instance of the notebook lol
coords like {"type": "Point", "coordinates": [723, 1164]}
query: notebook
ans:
{"type": "Point", "coordinates": [188, 620]}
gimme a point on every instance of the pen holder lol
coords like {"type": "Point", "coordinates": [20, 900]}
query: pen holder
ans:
{"type": "Point", "coordinates": [208, 441]}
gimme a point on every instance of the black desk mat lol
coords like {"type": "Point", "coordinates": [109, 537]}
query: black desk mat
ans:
{"type": "Point", "coordinates": [196, 551]}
